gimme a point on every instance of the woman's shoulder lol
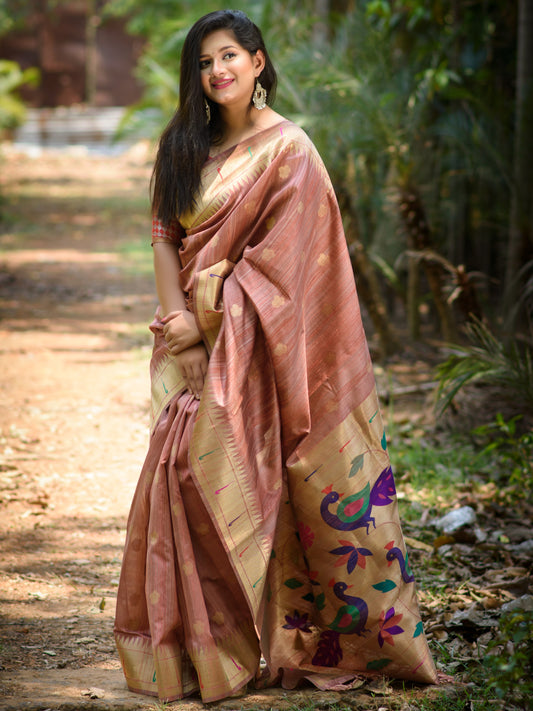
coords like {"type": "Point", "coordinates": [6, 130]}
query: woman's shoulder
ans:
{"type": "Point", "coordinates": [285, 135]}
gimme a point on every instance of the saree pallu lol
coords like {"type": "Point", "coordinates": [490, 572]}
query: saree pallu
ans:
{"type": "Point", "coordinates": [265, 520]}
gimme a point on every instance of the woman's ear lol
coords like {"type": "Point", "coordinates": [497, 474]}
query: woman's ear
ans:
{"type": "Point", "coordinates": [259, 62]}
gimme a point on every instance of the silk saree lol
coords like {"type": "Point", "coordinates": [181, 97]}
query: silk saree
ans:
{"type": "Point", "coordinates": [265, 523]}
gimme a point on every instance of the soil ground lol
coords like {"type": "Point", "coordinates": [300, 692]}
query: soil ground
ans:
{"type": "Point", "coordinates": [75, 301]}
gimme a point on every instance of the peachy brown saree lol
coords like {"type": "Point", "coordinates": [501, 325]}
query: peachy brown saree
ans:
{"type": "Point", "coordinates": [265, 519]}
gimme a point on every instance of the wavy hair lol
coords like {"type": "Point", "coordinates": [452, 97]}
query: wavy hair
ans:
{"type": "Point", "coordinates": [184, 144]}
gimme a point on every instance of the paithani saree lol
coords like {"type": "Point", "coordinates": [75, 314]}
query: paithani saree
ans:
{"type": "Point", "coordinates": [265, 520]}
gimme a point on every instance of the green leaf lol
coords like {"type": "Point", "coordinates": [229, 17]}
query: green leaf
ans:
{"type": "Point", "coordinates": [385, 586]}
{"type": "Point", "coordinates": [419, 629]}
{"type": "Point", "coordinates": [320, 601]}
{"type": "Point", "coordinates": [357, 465]}
{"type": "Point", "coordinates": [292, 583]}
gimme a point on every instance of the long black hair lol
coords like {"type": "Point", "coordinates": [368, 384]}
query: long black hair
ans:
{"type": "Point", "coordinates": [184, 144]}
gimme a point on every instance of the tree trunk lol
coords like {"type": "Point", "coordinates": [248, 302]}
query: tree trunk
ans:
{"type": "Point", "coordinates": [520, 246]}
{"type": "Point", "coordinates": [92, 22]}
{"type": "Point", "coordinates": [368, 287]}
{"type": "Point", "coordinates": [419, 239]}
{"type": "Point", "coordinates": [413, 297]}
{"type": "Point", "coordinates": [369, 290]}
{"type": "Point", "coordinates": [320, 29]}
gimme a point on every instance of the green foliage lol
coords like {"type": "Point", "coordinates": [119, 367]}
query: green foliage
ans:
{"type": "Point", "coordinates": [12, 78]}
{"type": "Point", "coordinates": [509, 661]}
{"type": "Point", "coordinates": [512, 450]}
{"type": "Point", "coordinates": [488, 360]}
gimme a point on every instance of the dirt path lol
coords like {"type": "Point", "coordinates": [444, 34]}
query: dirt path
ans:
{"type": "Point", "coordinates": [75, 299]}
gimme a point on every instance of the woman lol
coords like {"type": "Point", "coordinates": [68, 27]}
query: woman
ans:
{"type": "Point", "coordinates": [265, 521]}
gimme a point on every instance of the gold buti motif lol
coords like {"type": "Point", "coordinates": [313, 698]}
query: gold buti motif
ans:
{"type": "Point", "coordinates": [322, 260]}
{"type": "Point", "coordinates": [284, 172]}
{"type": "Point", "coordinates": [280, 349]}
{"type": "Point", "coordinates": [154, 597]}
{"type": "Point", "coordinates": [278, 301]}
{"type": "Point", "coordinates": [188, 568]}
{"type": "Point", "coordinates": [218, 618]}
{"type": "Point", "coordinates": [236, 310]}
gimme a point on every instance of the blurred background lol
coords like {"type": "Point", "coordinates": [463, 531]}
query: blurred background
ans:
{"type": "Point", "coordinates": [423, 113]}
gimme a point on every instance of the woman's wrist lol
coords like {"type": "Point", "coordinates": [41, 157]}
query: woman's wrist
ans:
{"type": "Point", "coordinates": [171, 314]}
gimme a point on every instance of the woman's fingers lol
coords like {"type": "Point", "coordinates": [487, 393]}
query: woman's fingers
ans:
{"type": "Point", "coordinates": [180, 331]}
{"type": "Point", "coordinates": [193, 364]}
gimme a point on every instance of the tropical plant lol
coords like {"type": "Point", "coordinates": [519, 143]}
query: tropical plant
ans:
{"type": "Point", "coordinates": [489, 360]}
{"type": "Point", "coordinates": [12, 78]}
{"type": "Point", "coordinates": [510, 444]}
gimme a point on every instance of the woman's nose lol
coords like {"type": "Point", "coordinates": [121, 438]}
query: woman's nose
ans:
{"type": "Point", "coordinates": [216, 67]}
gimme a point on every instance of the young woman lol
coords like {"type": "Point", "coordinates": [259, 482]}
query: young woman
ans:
{"type": "Point", "coordinates": [265, 521]}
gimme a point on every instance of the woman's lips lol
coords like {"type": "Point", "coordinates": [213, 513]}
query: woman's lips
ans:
{"type": "Point", "coordinates": [222, 84]}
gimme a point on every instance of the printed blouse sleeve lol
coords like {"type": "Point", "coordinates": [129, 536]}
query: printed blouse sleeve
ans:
{"type": "Point", "coordinates": [171, 233]}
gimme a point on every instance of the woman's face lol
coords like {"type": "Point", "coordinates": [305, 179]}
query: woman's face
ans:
{"type": "Point", "coordinates": [228, 71]}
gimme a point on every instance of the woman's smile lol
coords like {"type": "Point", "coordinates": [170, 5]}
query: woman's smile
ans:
{"type": "Point", "coordinates": [222, 83]}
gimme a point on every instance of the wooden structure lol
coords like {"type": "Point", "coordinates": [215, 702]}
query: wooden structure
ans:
{"type": "Point", "coordinates": [83, 56]}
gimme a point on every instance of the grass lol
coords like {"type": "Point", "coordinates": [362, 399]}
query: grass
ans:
{"type": "Point", "coordinates": [433, 472]}
{"type": "Point", "coordinates": [136, 255]}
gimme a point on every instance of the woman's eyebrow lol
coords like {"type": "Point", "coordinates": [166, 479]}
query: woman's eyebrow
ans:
{"type": "Point", "coordinates": [222, 49]}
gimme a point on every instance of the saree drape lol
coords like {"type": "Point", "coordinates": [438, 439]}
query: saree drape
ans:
{"type": "Point", "coordinates": [265, 521]}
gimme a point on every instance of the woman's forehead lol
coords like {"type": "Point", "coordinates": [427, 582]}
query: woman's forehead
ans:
{"type": "Point", "coordinates": [218, 40]}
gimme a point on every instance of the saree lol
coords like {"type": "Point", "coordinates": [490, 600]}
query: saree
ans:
{"type": "Point", "coordinates": [264, 528]}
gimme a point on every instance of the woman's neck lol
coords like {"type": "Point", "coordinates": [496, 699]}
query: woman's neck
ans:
{"type": "Point", "coordinates": [240, 125]}
{"type": "Point", "coordinates": [237, 124]}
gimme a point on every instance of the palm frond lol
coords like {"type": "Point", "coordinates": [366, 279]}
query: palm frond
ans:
{"type": "Point", "coordinates": [488, 360]}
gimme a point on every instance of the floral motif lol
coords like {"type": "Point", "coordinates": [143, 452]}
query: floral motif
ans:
{"type": "Point", "coordinates": [351, 555]}
{"type": "Point", "coordinates": [329, 651]}
{"type": "Point", "coordinates": [306, 535]}
{"type": "Point", "coordinates": [297, 622]}
{"type": "Point", "coordinates": [388, 626]}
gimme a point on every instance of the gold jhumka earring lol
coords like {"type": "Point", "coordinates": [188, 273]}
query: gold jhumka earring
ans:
{"type": "Point", "coordinates": [259, 97]}
{"type": "Point", "coordinates": [207, 111]}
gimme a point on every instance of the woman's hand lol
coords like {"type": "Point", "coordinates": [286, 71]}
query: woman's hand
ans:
{"type": "Point", "coordinates": [192, 363]}
{"type": "Point", "coordinates": [180, 331]}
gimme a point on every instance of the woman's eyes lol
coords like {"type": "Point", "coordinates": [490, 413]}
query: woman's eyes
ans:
{"type": "Point", "coordinates": [204, 63]}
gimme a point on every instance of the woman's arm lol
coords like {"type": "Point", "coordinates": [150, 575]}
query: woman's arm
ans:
{"type": "Point", "coordinates": [167, 268]}
{"type": "Point", "coordinates": [180, 330]}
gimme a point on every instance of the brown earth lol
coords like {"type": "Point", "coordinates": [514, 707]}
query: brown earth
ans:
{"type": "Point", "coordinates": [75, 301]}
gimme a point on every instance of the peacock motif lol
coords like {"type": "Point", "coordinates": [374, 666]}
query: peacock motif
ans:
{"type": "Point", "coordinates": [395, 553]}
{"type": "Point", "coordinates": [351, 618]}
{"type": "Point", "coordinates": [356, 510]}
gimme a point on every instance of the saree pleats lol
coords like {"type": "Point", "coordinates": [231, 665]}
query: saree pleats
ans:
{"type": "Point", "coordinates": [265, 521]}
